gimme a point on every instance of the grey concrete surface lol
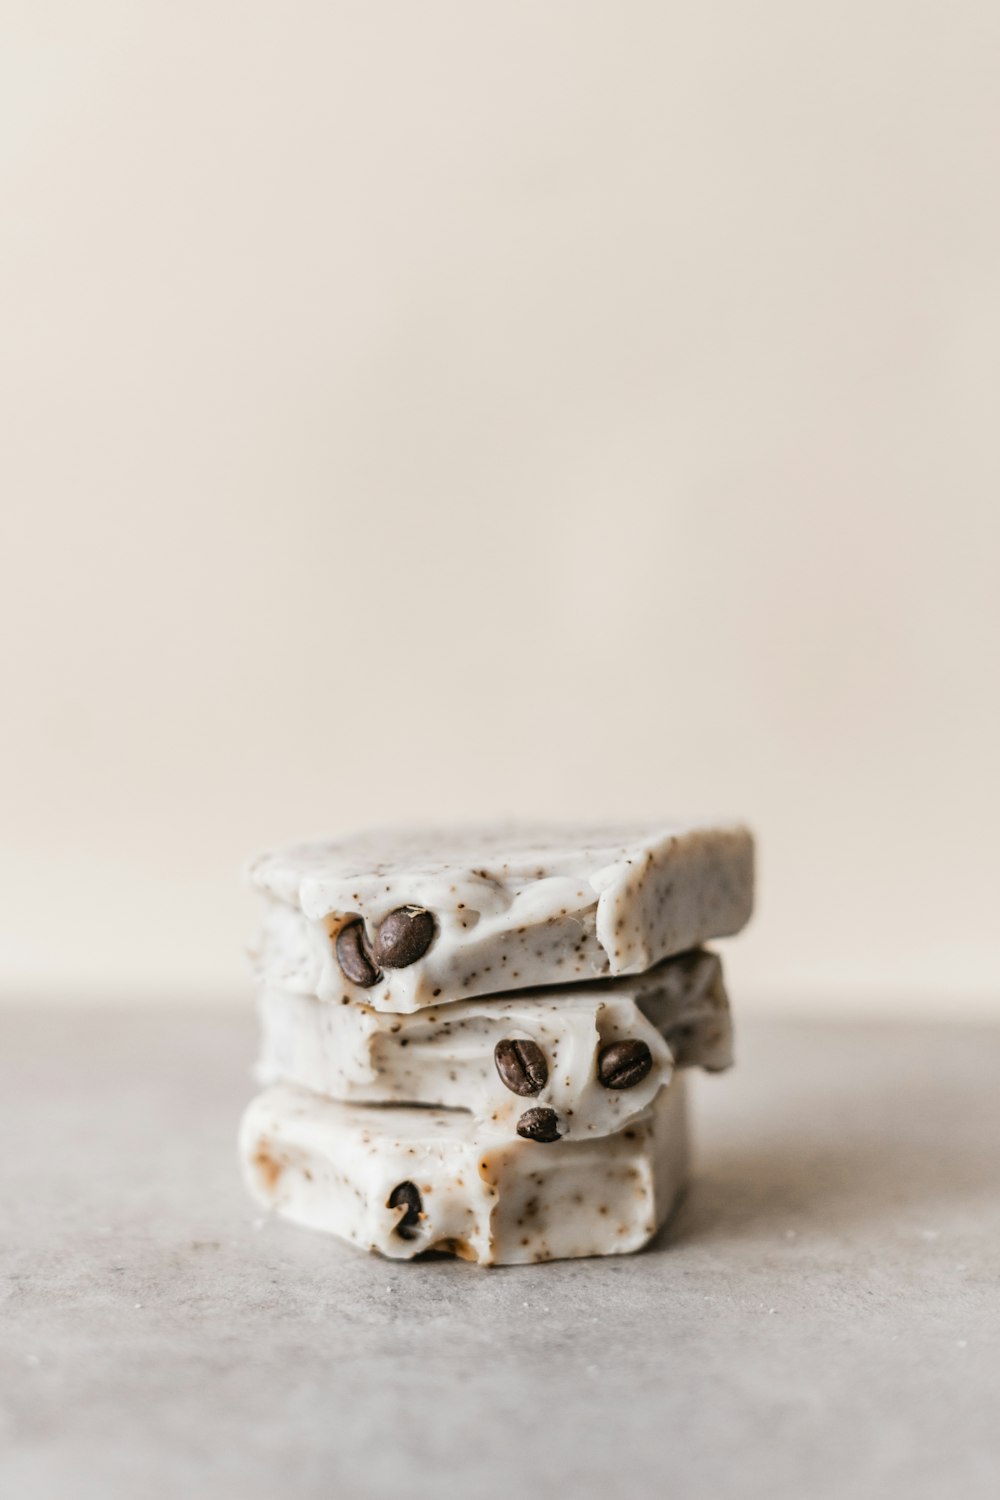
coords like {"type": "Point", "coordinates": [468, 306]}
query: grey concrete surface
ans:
{"type": "Point", "coordinates": [820, 1319]}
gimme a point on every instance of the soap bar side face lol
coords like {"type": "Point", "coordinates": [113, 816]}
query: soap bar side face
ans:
{"type": "Point", "coordinates": [339, 1168]}
{"type": "Point", "coordinates": [682, 891]}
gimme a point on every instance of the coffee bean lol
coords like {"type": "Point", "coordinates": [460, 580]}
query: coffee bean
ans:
{"type": "Point", "coordinates": [539, 1125]}
{"type": "Point", "coordinates": [404, 936]}
{"type": "Point", "coordinates": [407, 1194]}
{"type": "Point", "coordinates": [355, 956]}
{"type": "Point", "coordinates": [621, 1065]}
{"type": "Point", "coordinates": [521, 1065]}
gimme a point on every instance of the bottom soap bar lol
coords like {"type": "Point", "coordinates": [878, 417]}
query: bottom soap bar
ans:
{"type": "Point", "coordinates": [402, 1180]}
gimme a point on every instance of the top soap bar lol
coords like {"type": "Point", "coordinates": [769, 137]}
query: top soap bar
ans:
{"type": "Point", "coordinates": [408, 919]}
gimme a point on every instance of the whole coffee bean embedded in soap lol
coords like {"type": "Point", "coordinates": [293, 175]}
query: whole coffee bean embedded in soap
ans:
{"type": "Point", "coordinates": [355, 956]}
{"type": "Point", "coordinates": [404, 936]}
{"type": "Point", "coordinates": [621, 1065]}
{"type": "Point", "coordinates": [521, 1065]}
{"type": "Point", "coordinates": [406, 1194]}
{"type": "Point", "coordinates": [539, 1124]}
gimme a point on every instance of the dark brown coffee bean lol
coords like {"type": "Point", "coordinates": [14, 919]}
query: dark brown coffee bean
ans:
{"type": "Point", "coordinates": [408, 1195]}
{"type": "Point", "coordinates": [404, 936]}
{"type": "Point", "coordinates": [621, 1065]}
{"type": "Point", "coordinates": [539, 1124]}
{"type": "Point", "coordinates": [521, 1065]}
{"type": "Point", "coordinates": [355, 956]}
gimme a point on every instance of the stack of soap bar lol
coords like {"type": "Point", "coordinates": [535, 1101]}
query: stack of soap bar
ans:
{"type": "Point", "coordinates": [472, 1042]}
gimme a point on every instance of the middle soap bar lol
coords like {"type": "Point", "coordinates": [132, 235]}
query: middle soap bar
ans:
{"type": "Point", "coordinates": [583, 1061]}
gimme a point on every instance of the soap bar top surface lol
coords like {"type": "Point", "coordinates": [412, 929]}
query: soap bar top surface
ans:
{"type": "Point", "coordinates": [406, 919]}
{"type": "Point", "coordinates": [404, 1180]}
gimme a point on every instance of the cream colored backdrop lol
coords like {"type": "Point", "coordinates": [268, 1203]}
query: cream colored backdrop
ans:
{"type": "Point", "coordinates": [430, 411]}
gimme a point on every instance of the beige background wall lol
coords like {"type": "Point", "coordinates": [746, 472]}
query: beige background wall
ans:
{"type": "Point", "coordinates": [429, 411]}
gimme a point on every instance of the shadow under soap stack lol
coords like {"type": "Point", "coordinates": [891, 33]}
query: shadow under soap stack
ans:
{"type": "Point", "coordinates": [473, 1041]}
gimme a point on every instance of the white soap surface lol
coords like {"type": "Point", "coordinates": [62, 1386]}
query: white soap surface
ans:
{"type": "Point", "coordinates": [333, 1166]}
{"type": "Point", "coordinates": [512, 907]}
{"type": "Point", "coordinates": [445, 1055]}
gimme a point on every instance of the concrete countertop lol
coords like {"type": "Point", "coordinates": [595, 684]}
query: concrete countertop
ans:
{"type": "Point", "coordinates": [820, 1319]}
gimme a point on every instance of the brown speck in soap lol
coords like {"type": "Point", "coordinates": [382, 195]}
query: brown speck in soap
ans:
{"type": "Point", "coordinates": [267, 1166]}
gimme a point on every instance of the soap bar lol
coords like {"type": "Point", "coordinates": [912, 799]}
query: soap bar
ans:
{"type": "Point", "coordinates": [404, 1180]}
{"type": "Point", "coordinates": [405, 921]}
{"type": "Point", "coordinates": [593, 1056]}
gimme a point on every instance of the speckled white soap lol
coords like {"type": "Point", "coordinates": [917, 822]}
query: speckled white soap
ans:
{"type": "Point", "coordinates": [676, 1013]}
{"type": "Point", "coordinates": [405, 1180]}
{"type": "Point", "coordinates": [402, 921]}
